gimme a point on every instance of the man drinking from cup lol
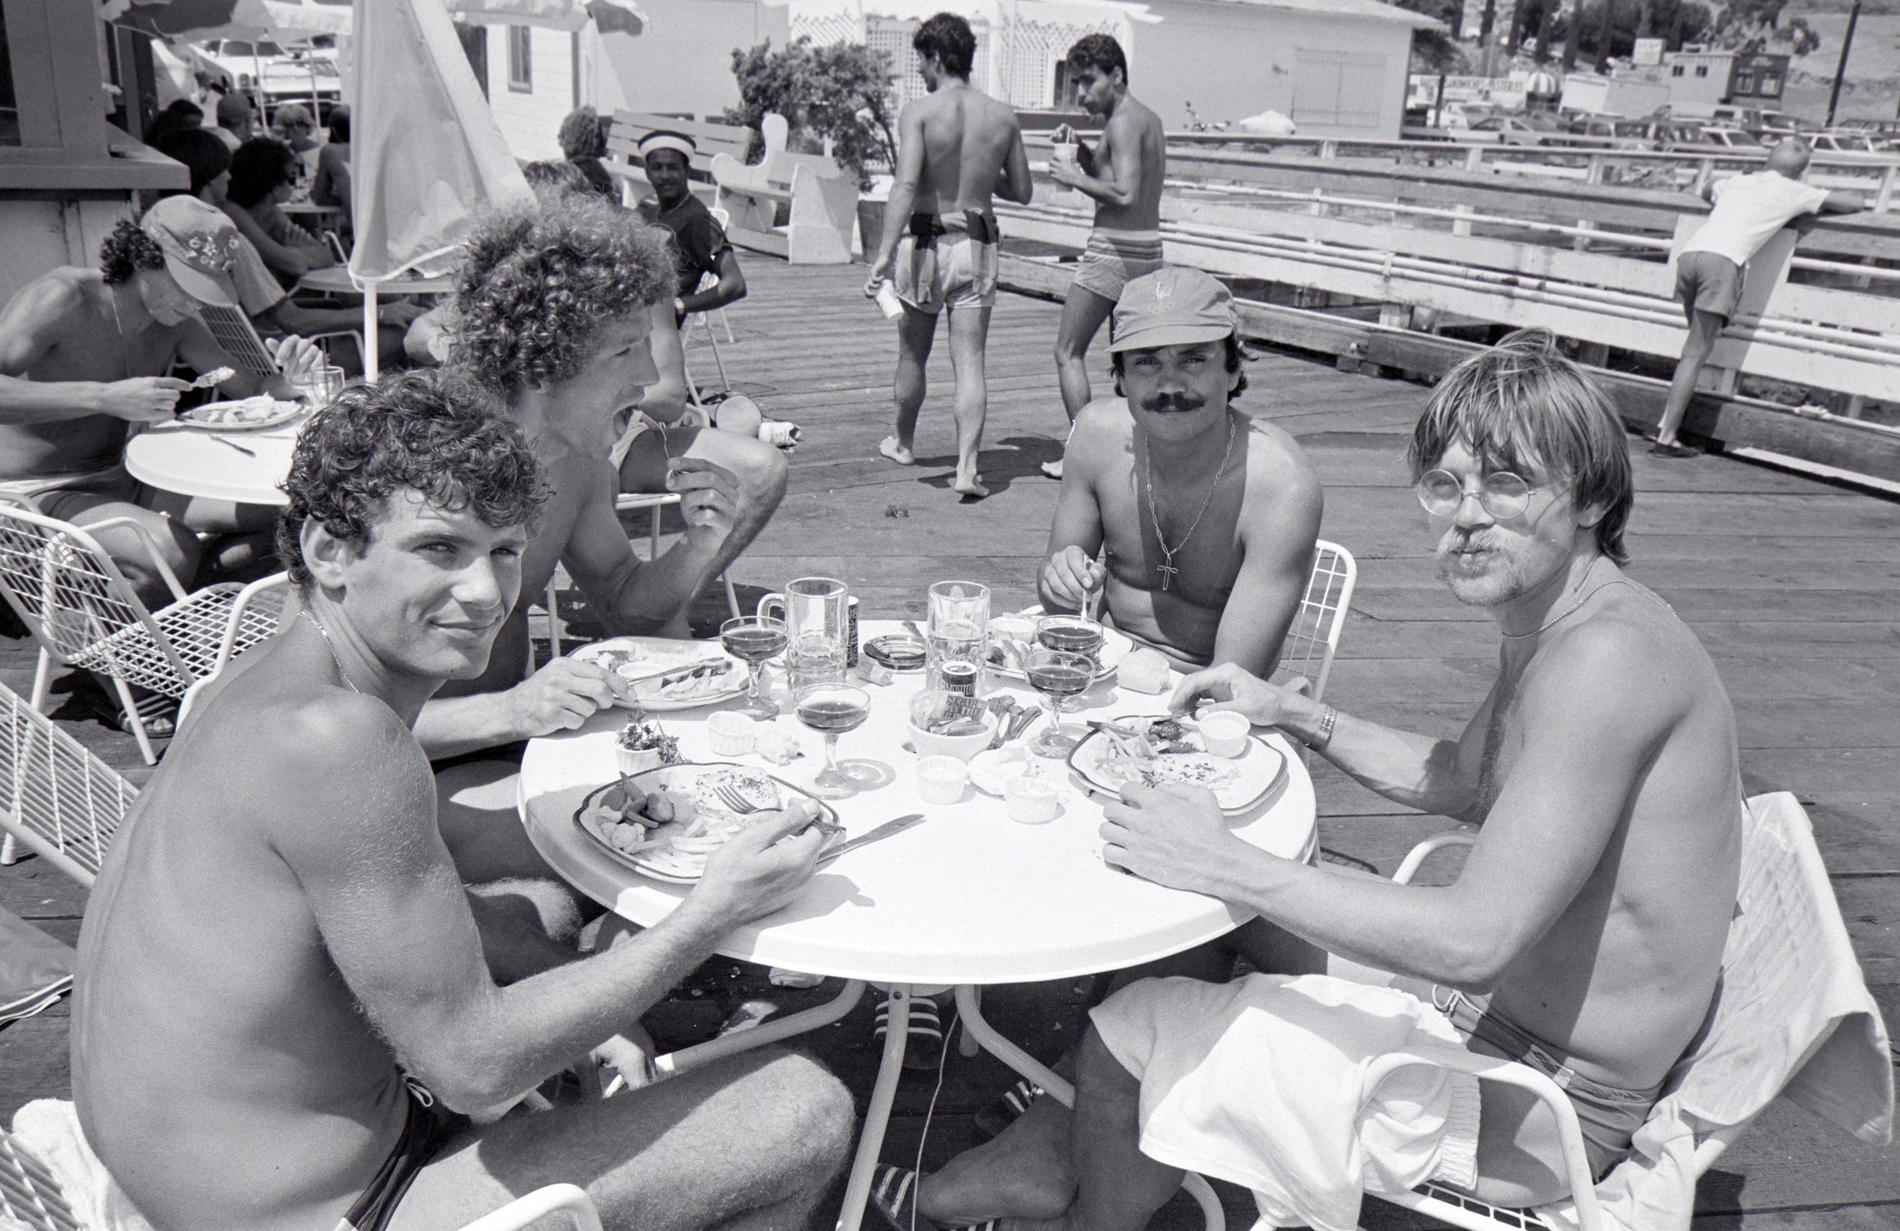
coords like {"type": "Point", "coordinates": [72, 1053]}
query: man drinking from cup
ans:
{"type": "Point", "coordinates": [1123, 174]}
{"type": "Point", "coordinates": [1208, 514]}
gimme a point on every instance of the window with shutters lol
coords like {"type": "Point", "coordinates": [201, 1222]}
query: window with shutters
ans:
{"type": "Point", "coordinates": [521, 59]}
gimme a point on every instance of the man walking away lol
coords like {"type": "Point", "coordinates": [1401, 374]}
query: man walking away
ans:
{"type": "Point", "coordinates": [1749, 209]}
{"type": "Point", "coordinates": [957, 149]}
{"type": "Point", "coordinates": [1123, 173]}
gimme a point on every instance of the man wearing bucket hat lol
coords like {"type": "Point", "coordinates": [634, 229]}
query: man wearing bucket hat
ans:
{"type": "Point", "coordinates": [86, 352]}
{"type": "Point", "coordinates": [1208, 514]}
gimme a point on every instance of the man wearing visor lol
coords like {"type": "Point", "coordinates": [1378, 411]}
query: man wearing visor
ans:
{"type": "Point", "coordinates": [86, 353]}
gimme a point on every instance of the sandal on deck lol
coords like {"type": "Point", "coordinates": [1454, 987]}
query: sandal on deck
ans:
{"type": "Point", "coordinates": [1006, 1110]}
{"type": "Point", "coordinates": [924, 1049]}
{"type": "Point", "coordinates": [894, 1197]}
{"type": "Point", "coordinates": [158, 711]}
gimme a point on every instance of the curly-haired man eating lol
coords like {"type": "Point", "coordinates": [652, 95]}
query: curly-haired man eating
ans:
{"type": "Point", "coordinates": [554, 308]}
{"type": "Point", "coordinates": [285, 998]}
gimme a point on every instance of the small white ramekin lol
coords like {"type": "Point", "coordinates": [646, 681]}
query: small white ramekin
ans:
{"type": "Point", "coordinates": [940, 779]}
{"type": "Point", "coordinates": [1031, 801]}
{"type": "Point", "coordinates": [1225, 733]}
{"type": "Point", "coordinates": [733, 735]}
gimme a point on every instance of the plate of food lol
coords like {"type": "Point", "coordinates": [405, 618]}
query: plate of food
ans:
{"type": "Point", "coordinates": [666, 822]}
{"type": "Point", "coordinates": [1168, 748]}
{"type": "Point", "coordinates": [1012, 637]}
{"type": "Point", "coordinates": [669, 675]}
{"type": "Point", "coordinates": [246, 415]}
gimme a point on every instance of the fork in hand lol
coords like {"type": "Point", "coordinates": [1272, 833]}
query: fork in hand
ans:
{"type": "Point", "coordinates": [732, 799]}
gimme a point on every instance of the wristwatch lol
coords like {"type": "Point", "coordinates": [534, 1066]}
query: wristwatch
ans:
{"type": "Point", "coordinates": [1324, 735]}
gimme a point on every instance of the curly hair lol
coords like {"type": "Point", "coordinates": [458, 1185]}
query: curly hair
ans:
{"type": "Point", "coordinates": [126, 251]}
{"type": "Point", "coordinates": [540, 282]}
{"type": "Point", "coordinates": [1100, 52]}
{"type": "Point", "coordinates": [426, 430]}
{"type": "Point", "coordinates": [582, 134]}
{"type": "Point", "coordinates": [558, 176]}
{"type": "Point", "coordinates": [948, 39]}
{"type": "Point", "coordinates": [257, 167]}
{"type": "Point", "coordinates": [1522, 406]}
{"type": "Point", "coordinates": [1236, 355]}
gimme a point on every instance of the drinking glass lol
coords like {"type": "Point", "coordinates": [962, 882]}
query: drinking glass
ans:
{"type": "Point", "coordinates": [1073, 634]}
{"type": "Point", "coordinates": [814, 611]}
{"type": "Point", "coordinates": [1057, 675]}
{"type": "Point", "coordinates": [959, 619]}
{"type": "Point", "coordinates": [831, 710]}
{"type": "Point", "coordinates": [752, 640]}
{"type": "Point", "coordinates": [320, 385]}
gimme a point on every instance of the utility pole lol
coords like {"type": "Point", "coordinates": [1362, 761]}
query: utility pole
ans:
{"type": "Point", "coordinates": [1484, 32]}
{"type": "Point", "coordinates": [1840, 70]}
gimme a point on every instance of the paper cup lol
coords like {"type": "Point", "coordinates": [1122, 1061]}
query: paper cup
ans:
{"type": "Point", "coordinates": [889, 303]}
{"type": "Point", "coordinates": [940, 779]}
{"type": "Point", "coordinates": [1225, 733]}
{"type": "Point", "coordinates": [1064, 153]}
{"type": "Point", "coordinates": [733, 735]}
{"type": "Point", "coordinates": [1031, 801]}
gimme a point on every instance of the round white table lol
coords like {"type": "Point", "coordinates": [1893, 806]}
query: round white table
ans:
{"type": "Point", "coordinates": [968, 897]}
{"type": "Point", "coordinates": [336, 280]}
{"type": "Point", "coordinates": [219, 465]}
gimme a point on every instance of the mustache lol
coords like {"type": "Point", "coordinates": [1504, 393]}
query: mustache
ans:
{"type": "Point", "coordinates": [1173, 403]}
{"type": "Point", "coordinates": [1455, 542]}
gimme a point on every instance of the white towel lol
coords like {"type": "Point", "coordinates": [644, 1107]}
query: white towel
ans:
{"type": "Point", "coordinates": [1260, 1082]}
{"type": "Point", "coordinates": [50, 1129]}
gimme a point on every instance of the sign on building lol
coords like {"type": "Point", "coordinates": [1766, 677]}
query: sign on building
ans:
{"type": "Point", "coordinates": [1758, 76]}
{"type": "Point", "coordinates": [1648, 51]}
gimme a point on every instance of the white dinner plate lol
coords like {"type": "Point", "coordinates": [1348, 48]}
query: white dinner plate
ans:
{"type": "Point", "coordinates": [252, 414]}
{"type": "Point", "coordinates": [698, 782]}
{"type": "Point", "coordinates": [633, 657]}
{"type": "Point", "coordinates": [1246, 780]}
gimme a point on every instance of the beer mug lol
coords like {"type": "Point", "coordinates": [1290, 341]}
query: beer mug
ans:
{"type": "Point", "coordinates": [959, 618]}
{"type": "Point", "coordinates": [815, 611]}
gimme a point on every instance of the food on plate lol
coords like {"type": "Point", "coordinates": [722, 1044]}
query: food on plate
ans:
{"type": "Point", "coordinates": [248, 412]}
{"type": "Point", "coordinates": [707, 678]}
{"type": "Point", "coordinates": [777, 745]}
{"type": "Point", "coordinates": [641, 746]}
{"type": "Point", "coordinates": [673, 829]}
{"type": "Point", "coordinates": [1144, 670]}
{"type": "Point", "coordinates": [1157, 750]}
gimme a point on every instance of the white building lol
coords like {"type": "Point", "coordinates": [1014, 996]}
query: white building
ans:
{"type": "Point", "coordinates": [1337, 67]}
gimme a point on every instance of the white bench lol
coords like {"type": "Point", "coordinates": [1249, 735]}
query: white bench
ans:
{"type": "Point", "coordinates": [820, 201]}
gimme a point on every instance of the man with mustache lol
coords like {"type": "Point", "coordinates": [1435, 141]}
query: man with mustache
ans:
{"type": "Point", "coordinates": [1584, 936]}
{"type": "Point", "coordinates": [1208, 514]}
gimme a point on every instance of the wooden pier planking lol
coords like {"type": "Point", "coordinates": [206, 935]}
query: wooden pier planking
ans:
{"type": "Point", "coordinates": [1791, 584]}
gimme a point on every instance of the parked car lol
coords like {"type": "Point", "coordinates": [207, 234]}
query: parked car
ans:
{"type": "Point", "coordinates": [1711, 137]}
{"type": "Point", "coordinates": [1617, 134]}
{"type": "Point", "coordinates": [266, 71]}
{"type": "Point", "coordinates": [1507, 129]}
{"type": "Point", "coordinates": [1835, 141]}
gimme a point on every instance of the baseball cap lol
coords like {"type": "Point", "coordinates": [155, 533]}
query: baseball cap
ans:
{"type": "Point", "coordinates": [200, 247]}
{"type": "Point", "coordinates": [1173, 306]}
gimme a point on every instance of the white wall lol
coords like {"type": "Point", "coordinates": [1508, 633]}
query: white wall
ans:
{"type": "Point", "coordinates": [682, 62]}
{"type": "Point", "coordinates": [38, 236]}
{"type": "Point", "coordinates": [1236, 60]}
{"type": "Point", "coordinates": [531, 120]}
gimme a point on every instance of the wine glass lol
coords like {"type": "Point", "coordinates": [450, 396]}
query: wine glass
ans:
{"type": "Point", "coordinates": [1073, 634]}
{"type": "Point", "coordinates": [752, 640]}
{"type": "Point", "coordinates": [831, 710]}
{"type": "Point", "coordinates": [1057, 675]}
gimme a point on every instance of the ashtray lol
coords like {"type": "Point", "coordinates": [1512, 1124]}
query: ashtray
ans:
{"type": "Point", "coordinates": [896, 651]}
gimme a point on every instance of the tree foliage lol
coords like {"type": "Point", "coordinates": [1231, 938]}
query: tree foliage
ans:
{"type": "Point", "coordinates": [842, 92]}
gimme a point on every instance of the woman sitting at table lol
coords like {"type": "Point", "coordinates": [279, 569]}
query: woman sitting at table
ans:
{"type": "Point", "coordinates": [261, 180]}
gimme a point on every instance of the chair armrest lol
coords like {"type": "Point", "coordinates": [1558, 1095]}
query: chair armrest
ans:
{"type": "Point", "coordinates": [1509, 1072]}
{"type": "Point", "coordinates": [1408, 868]}
{"type": "Point", "coordinates": [151, 549]}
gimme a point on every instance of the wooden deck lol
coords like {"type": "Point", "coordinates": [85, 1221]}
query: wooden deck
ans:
{"type": "Point", "coordinates": [1792, 584]}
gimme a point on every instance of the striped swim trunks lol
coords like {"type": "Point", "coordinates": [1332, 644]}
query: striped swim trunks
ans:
{"type": "Point", "coordinates": [1114, 258]}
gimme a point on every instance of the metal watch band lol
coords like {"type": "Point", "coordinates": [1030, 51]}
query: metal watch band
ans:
{"type": "Point", "coordinates": [1324, 735]}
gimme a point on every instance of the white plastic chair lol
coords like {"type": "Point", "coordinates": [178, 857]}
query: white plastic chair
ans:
{"type": "Point", "coordinates": [256, 615]}
{"type": "Point", "coordinates": [1313, 638]}
{"type": "Point", "coordinates": [31, 1194]}
{"type": "Point", "coordinates": [84, 613]}
{"type": "Point", "coordinates": [57, 798]}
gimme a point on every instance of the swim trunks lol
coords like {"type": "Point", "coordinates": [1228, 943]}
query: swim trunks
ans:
{"type": "Point", "coordinates": [1115, 258]}
{"type": "Point", "coordinates": [428, 1128]}
{"type": "Point", "coordinates": [1608, 1115]}
{"type": "Point", "coordinates": [1708, 282]}
{"type": "Point", "coordinates": [947, 261]}
{"type": "Point", "coordinates": [65, 496]}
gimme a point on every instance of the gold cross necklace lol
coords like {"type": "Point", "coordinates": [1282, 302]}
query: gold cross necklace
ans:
{"type": "Point", "coordinates": [1166, 567]}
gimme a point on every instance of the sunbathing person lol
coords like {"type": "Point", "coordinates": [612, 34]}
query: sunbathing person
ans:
{"type": "Point", "coordinates": [286, 1002]}
{"type": "Point", "coordinates": [554, 307]}
{"type": "Point", "coordinates": [1585, 934]}
{"type": "Point", "coordinates": [84, 353]}
{"type": "Point", "coordinates": [1209, 515]}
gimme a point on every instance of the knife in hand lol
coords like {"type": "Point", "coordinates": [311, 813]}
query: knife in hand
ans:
{"type": "Point", "coordinates": [882, 831]}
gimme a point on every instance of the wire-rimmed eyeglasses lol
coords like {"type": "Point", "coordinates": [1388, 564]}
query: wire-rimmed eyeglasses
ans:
{"type": "Point", "coordinates": [1502, 493]}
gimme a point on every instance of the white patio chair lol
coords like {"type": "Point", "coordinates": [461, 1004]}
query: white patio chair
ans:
{"type": "Point", "coordinates": [57, 798]}
{"type": "Point", "coordinates": [31, 1194]}
{"type": "Point", "coordinates": [84, 613]}
{"type": "Point", "coordinates": [256, 615]}
{"type": "Point", "coordinates": [1313, 638]}
{"type": "Point", "coordinates": [1787, 931]}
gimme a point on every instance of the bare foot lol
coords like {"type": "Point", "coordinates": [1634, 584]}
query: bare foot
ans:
{"type": "Point", "coordinates": [1053, 469]}
{"type": "Point", "coordinates": [1023, 1173]}
{"type": "Point", "coordinates": [971, 488]}
{"type": "Point", "coordinates": [896, 452]}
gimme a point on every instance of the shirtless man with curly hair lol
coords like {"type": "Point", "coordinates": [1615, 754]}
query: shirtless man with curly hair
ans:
{"type": "Point", "coordinates": [554, 308]}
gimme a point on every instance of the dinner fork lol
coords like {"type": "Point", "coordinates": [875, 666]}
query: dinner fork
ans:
{"type": "Point", "coordinates": [745, 807]}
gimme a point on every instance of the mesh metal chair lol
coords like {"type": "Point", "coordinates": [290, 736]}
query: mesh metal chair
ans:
{"type": "Point", "coordinates": [84, 613]}
{"type": "Point", "coordinates": [57, 798]}
{"type": "Point", "coordinates": [1321, 618]}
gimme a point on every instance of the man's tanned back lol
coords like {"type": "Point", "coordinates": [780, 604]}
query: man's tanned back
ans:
{"type": "Point", "coordinates": [967, 138]}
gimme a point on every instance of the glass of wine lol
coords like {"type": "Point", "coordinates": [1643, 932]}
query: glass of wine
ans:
{"type": "Point", "coordinates": [1057, 675]}
{"type": "Point", "coordinates": [752, 640]}
{"type": "Point", "coordinates": [831, 710]}
{"type": "Point", "coordinates": [1072, 634]}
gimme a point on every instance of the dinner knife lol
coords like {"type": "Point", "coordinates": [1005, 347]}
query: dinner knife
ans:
{"type": "Point", "coordinates": [882, 831]}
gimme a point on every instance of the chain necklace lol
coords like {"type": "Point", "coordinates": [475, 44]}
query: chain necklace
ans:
{"type": "Point", "coordinates": [1166, 567]}
{"type": "Point", "coordinates": [330, 646]}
